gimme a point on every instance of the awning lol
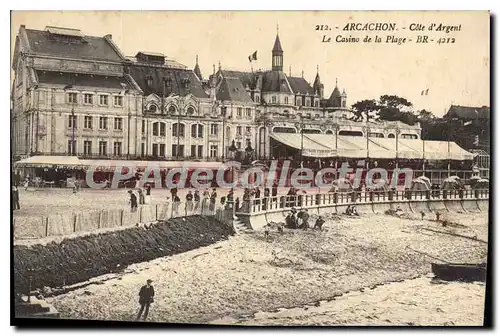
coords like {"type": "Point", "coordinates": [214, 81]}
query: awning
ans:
{"type": "Point", "coordinates": [60, 162]}
{"type": "Point", "coordinates": [325, 145]}
{"type": "Point", "coordinates": [310, 147]}
{"type": "Point", "coordinates": [110, 165]}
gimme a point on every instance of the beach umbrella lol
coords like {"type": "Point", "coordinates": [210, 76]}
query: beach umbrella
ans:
{"type": "Point", "coordinates": [482, 184]}
{"type": "Point", "coordinates": [425, 179]}
{"type": "Point", "coordinates": [381, 185]}
{"type": "Point", "coordinates": [418, 184]}
{"type": "Point", "coordinates": [450, 183]}
{"type": "Point", "coordinates": [474, 179]}
{"type": "Point", "coordinates": [341, 184]}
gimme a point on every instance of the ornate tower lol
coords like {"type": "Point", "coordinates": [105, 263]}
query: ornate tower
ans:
{"type": "Point", "coordinates": [196, 70]}
{"type": "Point", "coordinates": [277, 54]}
{"type": "Point", "coordinates": [318, 86]}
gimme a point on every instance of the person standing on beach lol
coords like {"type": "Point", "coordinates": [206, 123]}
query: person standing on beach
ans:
{"type": "Point", "coordinates": [176, 202]}
{"type": "Point", "coordinates": [189, 203]}
{"type": "Point", "coordinates": [213, 199]}
{"type": "Point", "coordinates": [15, 199]}
{"type": "Point", "coordinates": [196, 197]}
{"type": "Point", "coordinates": [148, 192]}
{"type": "Point", "coordinates": [141, 197]}
{"type": "Point", "coordinates": [146, 298]}
{"type": "Point", "coordinates": [133, 201]}
{"type": "Point", "coordinates": [205, 202]}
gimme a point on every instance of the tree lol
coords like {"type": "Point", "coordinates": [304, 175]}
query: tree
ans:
{"type": "Point", "coordinates": [364, 107]}
{"type": "Point", "coordinates": [388, 107]}
{"type": "Point", "coordinates": [425, 115]}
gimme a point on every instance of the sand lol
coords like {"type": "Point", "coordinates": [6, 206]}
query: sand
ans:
{"type": "Point", "coordinates": [249, 273]}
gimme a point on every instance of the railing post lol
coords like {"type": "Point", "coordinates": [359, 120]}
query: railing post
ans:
{"type": "Point", "coordinates": [46, 226]}
{"type": "Point", "coordinates": [121, 217]}
{"type": "Point", "coordinates": [99, 221]}
{"type": "Point", "coordinates": [156, 212]}
{"type": "Point", "coordinates": [74, 222]}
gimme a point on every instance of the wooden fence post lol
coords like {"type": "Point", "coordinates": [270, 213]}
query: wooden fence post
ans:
{"type": "Point", "coordinates": [121, 217]}
{"type": "Point", "coordinates": [156, 212]}
{"type": "Point", "coordinates": [74, 222]}
{"type": "Point", "coordinates": [46, 226]}
{"type": "Point", "coordinates": [99, 221]}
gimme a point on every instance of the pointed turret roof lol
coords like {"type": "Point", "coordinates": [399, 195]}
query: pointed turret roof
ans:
{"type": "Point", "coordinates": [197, 70]}
{"type": "Point", "coordinates": [277, 45]}
{"type": "Point", "coordinates": [317, 80]}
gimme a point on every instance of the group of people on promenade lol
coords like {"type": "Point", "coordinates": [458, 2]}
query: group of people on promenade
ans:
{"type": "Point", "coordinates": [194, 202]}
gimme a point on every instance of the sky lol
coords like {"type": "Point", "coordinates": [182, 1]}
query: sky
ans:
{"type": "Point", "coordinates": [454, 73]}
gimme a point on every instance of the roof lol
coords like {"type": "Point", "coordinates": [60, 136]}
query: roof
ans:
{"type": "Point", "coordinates": [64, 31]}
{"type": "Point", "coordinates": [334, 100]}
{"type": "Point", "coordinates": [299, 84]}
{"type": "Point", "coordinates": [468, 112]}
{"type": "Point", "coordinates": [61, 78]}
{"type": "Point", "coordinates": [277, 45]}
{"type": "Point", "coordinates": [197, 71]}
{"type": "Point", "coordinates": [232, 89]}
{"type": "Point", "coordinates": [87, 47]}
{"type": "Point", "coordinates": [49, 161]}
{"type": "Point", "coordinates": [142, 72]}
{"type": "Point", "coordinates": [150, 54]}
{"type": "Point", "coordinates": [275, 81]}
{"type": "Point", "coordinates": [317, 81]}
{"type": "Point", "coordinates": [246, 78]}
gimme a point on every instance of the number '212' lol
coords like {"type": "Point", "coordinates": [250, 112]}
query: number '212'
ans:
{"type": "Point", "coordinates": [321, 27]}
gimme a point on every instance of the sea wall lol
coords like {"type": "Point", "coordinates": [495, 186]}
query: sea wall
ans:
{"type": "Point", "coordinates": [79, 259]}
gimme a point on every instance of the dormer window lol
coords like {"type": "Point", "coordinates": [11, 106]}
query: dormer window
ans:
{"type": "Point", "coordinates": [299, 101]}
{"type": "Point", "coordinates": [286, 100]}
{"type": "Point", "coordinates": [257, 98]}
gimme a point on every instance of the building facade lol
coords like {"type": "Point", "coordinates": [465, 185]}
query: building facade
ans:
{"type": "Point", "coordinates": [79, 95]}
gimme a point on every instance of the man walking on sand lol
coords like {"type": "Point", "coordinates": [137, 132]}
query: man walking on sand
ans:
{"type": "Point", "coordinates": [15, 199]}
{"type": "Point", "coordinates": [146, 295]}
{"type": "Point", "coordinates": [133, 201]}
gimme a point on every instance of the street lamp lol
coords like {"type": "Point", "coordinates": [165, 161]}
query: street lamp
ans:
{"type": "Point", "coordinates": [73, 147]}
{"type": "Point", "coordinates": [232, 152]}
{"type": "Point", "coordinates": [223, 111]}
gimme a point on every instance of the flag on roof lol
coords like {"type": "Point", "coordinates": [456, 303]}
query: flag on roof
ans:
{"type": "Point", "coordinates": [252, 57]}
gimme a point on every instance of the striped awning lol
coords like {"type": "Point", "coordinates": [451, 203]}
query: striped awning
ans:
{"type": "Point", "coordinates": [42, 161]}
{"type": "Point", "coordinates": [326, 145]}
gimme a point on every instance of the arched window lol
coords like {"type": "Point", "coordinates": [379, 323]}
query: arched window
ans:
{"type": "Point", "coordinates": [190, 110]}
{"type": "Point", "coordinates": [299, 101]}
{"type": "Point", "coordinates": [329, 132]}
{"type": "Point", "coordinates": [308, 102]}
{"type": "Point", "coordinates": [316, 103]}
{"type": "Point", "coordinates": [228, 132]}
{"type": "Point", "coordinates": [391, 136]}
{"type": "Point", "coordinates": [155, 129]}
{"type": "Point", "coordinates": [178, 130]}
{"type": "Point", "coordinates": [159, 129]}
{"type": "Point", "coordinates": [257, 98]}
{"type": "Point", "coordinates": [197, 131]}
{"type": "Point", "coordinates": [343, 103]}
{"type": "Point", "coordinates": [172, 109]}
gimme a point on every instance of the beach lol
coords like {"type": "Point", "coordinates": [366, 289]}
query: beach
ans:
{"type": "Point", "coordinates": [250, 273]}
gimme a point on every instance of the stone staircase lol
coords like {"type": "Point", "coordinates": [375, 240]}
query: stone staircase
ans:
{"type": "Point", "coordinates": [35, 308]}
{"type": "Point", "coordinates": [241, 227]}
